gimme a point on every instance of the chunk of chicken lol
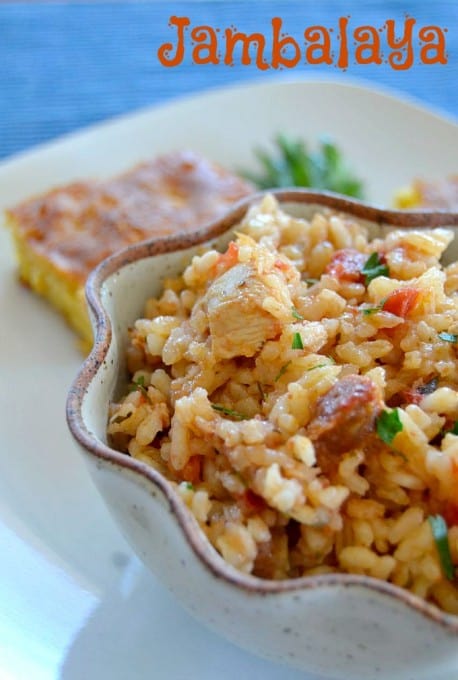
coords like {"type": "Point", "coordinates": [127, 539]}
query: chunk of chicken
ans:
{"type": "Point", "coordinates": [344, 417]}
{"type": "Point", "coordinates": [238, 323]}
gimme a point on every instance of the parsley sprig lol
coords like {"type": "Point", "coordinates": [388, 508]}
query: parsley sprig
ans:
{"type": "Point", "coordinates": [291, 163]}
{"type": "Point", "coordinates": [388, 424]}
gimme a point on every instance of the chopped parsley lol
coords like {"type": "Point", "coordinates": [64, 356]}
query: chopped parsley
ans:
{"type": "Point", "coordinates": [282, 371]}
{"type": "Point", "coordinates": [371, 310]}
{"type": "Point", "coordinates": [440, 534]}
{"type": "Point", "coordinates": [229, 412]}
{"type": "Point", "coordinates": [139, 384]}
{"type": "Point", "coordinates": [311, 282]}
{"type": "Point", "coordinates": [388, 424]}
{"type": "Point", "coordinates": [297, 342]}
{"type": "Point", "coordinates": [189, 486]}
{"type": "Point", "coordinates": [373, 268]}
{"type": "Point", "coordinates": [296, 314]}
{"type": "Point", "coordinates": [448, 337]}
{"type": "Point", "coordinates": [451, 430]}
{"type": "Point", "coordinates": [261, 391]}
{"type": "Point", "coordinates": [312, 368]}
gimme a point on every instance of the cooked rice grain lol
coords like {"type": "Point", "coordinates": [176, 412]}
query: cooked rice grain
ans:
{"type": "Point", "coordinates": [274, 449]}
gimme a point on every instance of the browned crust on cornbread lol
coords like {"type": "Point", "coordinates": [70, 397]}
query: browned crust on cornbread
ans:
{"type": "Point", "coordinates": [77, 226]}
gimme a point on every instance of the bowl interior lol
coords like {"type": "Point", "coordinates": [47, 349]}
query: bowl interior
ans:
{"type": "Point", "coordinates": [117, 292]}
{"type": "Point", "coordinates": [119, 288]}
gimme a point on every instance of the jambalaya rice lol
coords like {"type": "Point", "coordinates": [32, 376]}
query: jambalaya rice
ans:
{"type": "Point", "coordinates": [301, 392]}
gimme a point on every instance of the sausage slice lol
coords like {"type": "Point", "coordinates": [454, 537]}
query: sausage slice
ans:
{"type": "Point", "coordinates": [343, 418]}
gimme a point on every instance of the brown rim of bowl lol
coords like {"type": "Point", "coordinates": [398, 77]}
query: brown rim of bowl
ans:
{"type": "Point", "coordinates": [103, 332]}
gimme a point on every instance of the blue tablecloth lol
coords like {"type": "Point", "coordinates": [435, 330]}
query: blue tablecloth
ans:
{"type": "Point", "coordinates": [65, 65]}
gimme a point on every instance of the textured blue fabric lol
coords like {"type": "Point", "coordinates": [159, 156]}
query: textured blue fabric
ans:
{"type": "Point", "coordinates": [65, 65]}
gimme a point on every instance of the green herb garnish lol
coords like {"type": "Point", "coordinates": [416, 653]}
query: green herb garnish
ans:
{"type": "Point", "coordinates": [440, 534]}
{"type": "Point", "coordinates": [282, 371]}
{"type": "Point", "coordinates": [311, 282]}
{"type": "Point", "coordinates": [189, 486]}
{"type": "Point", "coordinates": [448, 337]}
{"type": "Point", "coordinates": [292, 164]}
{"type": "Point", "coordinates": [297, 342]}
{"type": "Point", "coordinates": [388, 424]}
{"type": "Point", "coordinates": [229, 412]}
{"type": "Point", "coordinates": [312, 368]}
{"type": "Point", "coordinates": [296, 314]}
{"type": "Point", "coordinates": [139, 384]}
{"type": "Point", "coordinates": [261, 391]}
{"type": "Point", "coordinates": [371, 310]}
{"type": "Point", "coordinates": [331, 363]}
{"type": "Point", "coordinates": [373, 268]}
{"type": "Point", "coordinates": [452, 430]}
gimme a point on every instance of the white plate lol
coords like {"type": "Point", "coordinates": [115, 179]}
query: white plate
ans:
{"type": "Point", "coordinates": [74, 602]}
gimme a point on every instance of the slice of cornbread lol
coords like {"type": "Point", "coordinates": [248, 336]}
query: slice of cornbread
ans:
{"type": "Point", "coordinates": [61, 236]}
{"type": "Point", "coordinates": [442, 195]}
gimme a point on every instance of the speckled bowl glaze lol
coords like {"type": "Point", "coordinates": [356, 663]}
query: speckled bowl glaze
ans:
{"type": "Point", "coordinates": [341, 626]}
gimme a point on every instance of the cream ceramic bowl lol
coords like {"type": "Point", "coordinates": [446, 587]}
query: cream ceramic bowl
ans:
{"type": "Point", "coordinates": [341, 626]}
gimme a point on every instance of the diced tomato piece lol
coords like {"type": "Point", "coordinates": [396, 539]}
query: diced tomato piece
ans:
{"type": "Point", "coordinates": [402, 302]}
{"type": "Point", "coordinates": [346, 265]}
{"type": "Point", "coordinates": [228, 259]}
{"type": "Point", "coordinates": [282, 265]}
{"type": "Point", "coordinates": [251, 503]}
{"type": "Point", "coordinates": [450, 514]}
{"type": "Point", "coordinates": [192, 469]}
{"type": "Point", "coordinates": [411, 396]}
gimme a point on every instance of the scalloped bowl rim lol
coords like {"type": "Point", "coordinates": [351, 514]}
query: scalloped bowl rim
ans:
{"type": "Point", "coordinates": [200, 545]}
